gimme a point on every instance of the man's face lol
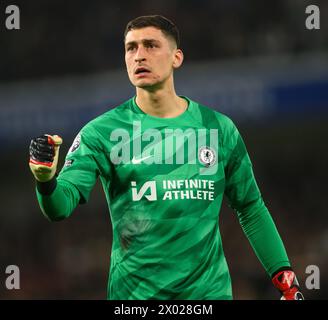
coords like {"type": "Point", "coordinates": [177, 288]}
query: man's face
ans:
{"type": "Point", "coordinates": [150, 57]}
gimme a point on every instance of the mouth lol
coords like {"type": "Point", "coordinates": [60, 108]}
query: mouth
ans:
{"type": "Point", "coordinates": [141, 71]}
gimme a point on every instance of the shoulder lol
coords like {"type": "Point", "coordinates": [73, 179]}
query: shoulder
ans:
{"type": "Point", "coordinates": [229, 134]}
{"type": "Point", "coordinates": [96, 131]}
{"type": "Point", "coordinates": [210, 115]}
{"type": "Point", "coordinates": [114, 115]}
{"type": "Point", "coordinates": [104, 123]}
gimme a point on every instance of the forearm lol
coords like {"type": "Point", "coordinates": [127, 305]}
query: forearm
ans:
{"type": "Point", "coordinates": [57, 199]}
{"type": "Point", "coordinates": [263, 236]}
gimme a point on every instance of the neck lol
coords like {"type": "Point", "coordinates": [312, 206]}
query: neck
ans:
{"type": "Point", "coordinates": [162, 102]}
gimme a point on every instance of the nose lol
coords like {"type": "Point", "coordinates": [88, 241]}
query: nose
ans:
{"type": "Point", "coordinates": [140, 55]}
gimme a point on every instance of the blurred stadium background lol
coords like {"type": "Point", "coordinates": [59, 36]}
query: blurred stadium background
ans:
{"type": "Point", "coordinates": [253, 60]}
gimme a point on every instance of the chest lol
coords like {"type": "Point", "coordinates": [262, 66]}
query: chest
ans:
{"type": "Point", "coordinates": [176, 162]}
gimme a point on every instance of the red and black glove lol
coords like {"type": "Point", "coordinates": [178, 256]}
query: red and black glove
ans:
{"type": "Point", "coordinates": [44, 151]}
{"type": "Point", "coordinates": [285, 281]}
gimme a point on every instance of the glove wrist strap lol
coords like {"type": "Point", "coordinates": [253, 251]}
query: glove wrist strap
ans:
{"type": "Point", "coordinates": [47, 188]}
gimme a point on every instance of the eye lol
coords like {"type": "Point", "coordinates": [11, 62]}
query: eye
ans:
{"type": "Point", "coordinates": [150, 45]}
{"type": "Point", "coordinates": [130, 48]}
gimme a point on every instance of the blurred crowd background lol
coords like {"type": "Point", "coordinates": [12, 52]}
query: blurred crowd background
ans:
{"type": "Point", "coordinates": [253, 60]}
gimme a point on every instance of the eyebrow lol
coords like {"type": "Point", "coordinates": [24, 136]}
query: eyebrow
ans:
{"type": "Point", "coordinates": [144, 41]}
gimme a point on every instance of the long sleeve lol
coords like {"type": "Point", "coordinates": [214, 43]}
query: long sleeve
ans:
{"type": "Point", "coordinates": [75, 181]}
{"type": "Point", "coordinates": [245, 198]}
{"type": "Point", "coordinates": [61, 202]}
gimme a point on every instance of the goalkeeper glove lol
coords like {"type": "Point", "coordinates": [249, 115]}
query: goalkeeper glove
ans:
{"type": "Point", "coordinates": [44, 151]}
{"type": "Point", "coordinates": [285, 281]}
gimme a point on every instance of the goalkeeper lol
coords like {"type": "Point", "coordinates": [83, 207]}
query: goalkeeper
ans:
{"type": "Point", "coordinates": [165, 163]}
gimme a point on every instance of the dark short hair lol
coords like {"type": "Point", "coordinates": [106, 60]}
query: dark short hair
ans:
{"type": "Point", "coordinates": [156, 21]}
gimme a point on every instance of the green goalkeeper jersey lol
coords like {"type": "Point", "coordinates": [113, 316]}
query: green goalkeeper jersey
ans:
{"type": "Point", "coordinates": [164, 181]}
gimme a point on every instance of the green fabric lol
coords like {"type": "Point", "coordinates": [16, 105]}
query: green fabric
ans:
{"type": "Point", "coordinates": [244, 197]}
{"type": "Point", "coordinates": [165, 206]}
{"type": "Point", "coordinates": [61, 203]}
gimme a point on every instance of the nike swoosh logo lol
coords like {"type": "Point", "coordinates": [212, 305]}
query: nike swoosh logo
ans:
{"type": "Point", "coordinates": [138, 161]}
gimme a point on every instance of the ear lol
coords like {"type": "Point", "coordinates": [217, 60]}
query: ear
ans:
{"type": "Point", "coordinates": [178, 58]}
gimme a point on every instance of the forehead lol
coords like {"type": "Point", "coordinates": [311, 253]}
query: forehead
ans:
{"type": "Point", "coordinates": [138, 35]}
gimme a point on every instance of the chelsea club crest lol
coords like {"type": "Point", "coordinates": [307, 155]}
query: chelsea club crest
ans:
{"type": "Point", "coordinates": [206, 156]}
